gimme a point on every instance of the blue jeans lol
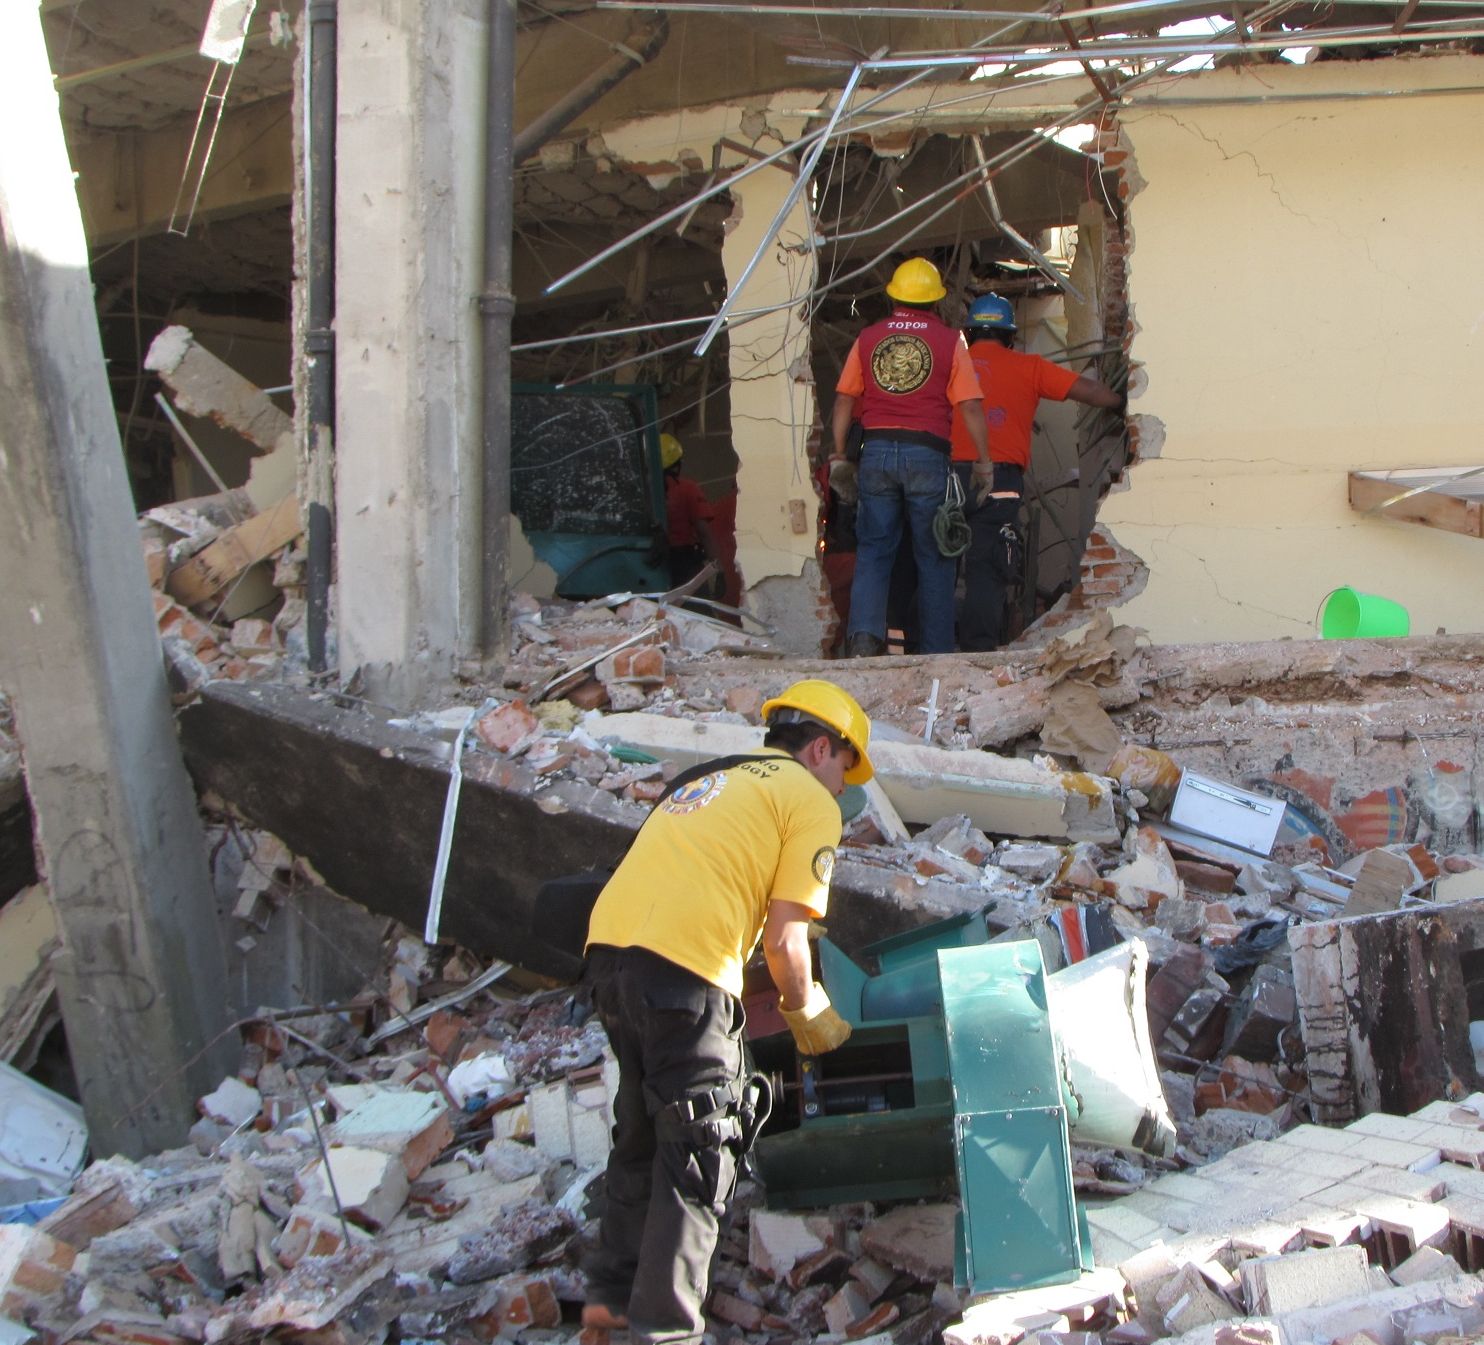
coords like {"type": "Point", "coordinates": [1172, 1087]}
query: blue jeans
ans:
{"type": "Point", "coordinates": [901, 482]}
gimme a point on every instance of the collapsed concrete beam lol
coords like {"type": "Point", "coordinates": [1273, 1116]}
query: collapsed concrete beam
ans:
{"type": "Point", "coordinates": [1001, 795]}
{"type": "Point", "coordinates": [1383, 1006]}
{"type": "Point", "coordinates": [362, 800]}
{"type": "Point", "coordinates": [206, 386]}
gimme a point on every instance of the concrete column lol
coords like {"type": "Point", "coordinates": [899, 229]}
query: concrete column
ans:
{"type": "Point", "coordinates": [141, 973]}
{"type": "Point", "coordinates": [408, 219]}
{"type": "Point", "coordinates": [773, 409]}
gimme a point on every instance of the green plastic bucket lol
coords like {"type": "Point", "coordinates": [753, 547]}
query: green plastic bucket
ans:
{"type": "Point", "coordinates": [1350, 615]}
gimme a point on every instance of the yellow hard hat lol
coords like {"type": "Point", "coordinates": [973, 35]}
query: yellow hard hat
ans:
{"type": "Point", "coordinates": [916, 281]}
{"type": "Point", "coordinates": [670, 451]}
{"type": "Point", "coordinates": [825, 703]}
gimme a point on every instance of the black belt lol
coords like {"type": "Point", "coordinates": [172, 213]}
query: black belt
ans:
{"type": "Point", "coordinates": [924, 438]}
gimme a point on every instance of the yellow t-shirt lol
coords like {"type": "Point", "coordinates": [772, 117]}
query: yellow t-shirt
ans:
{"type": "Point", "coordinates": [696, 884]}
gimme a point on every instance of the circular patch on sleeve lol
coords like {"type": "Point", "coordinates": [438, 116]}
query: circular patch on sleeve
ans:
{"type": "Point", "coordinates": [901, 363]}
{"type": "Point", "coordinates": [824, 864]}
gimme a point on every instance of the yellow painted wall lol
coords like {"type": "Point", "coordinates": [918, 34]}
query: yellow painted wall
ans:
{"type": "Point", "coordinates": [1308, 287]}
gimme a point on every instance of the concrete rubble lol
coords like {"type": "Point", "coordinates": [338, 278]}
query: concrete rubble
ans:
{"type": "Point", "coordinates": [375, 1172]}
{"type": "Point", "coordinates": [463, 1216]}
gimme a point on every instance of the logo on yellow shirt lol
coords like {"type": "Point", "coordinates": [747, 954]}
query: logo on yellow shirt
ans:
{"type": "Point", "coordinates": [697, 794]}
{"type": "Point", "coordinates": [824, 865]}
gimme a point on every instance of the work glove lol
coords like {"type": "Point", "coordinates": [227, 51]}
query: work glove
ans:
{"type": "Point", "coordinates": [817, 1028]}
{"type": "Point", "coordinates": [843, 480]}
{"type": "Point", "coordinates": [983, 482]}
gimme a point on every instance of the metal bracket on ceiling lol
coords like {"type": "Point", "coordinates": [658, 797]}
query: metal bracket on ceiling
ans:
{"type": "Point", "coordinates": [223, 40]}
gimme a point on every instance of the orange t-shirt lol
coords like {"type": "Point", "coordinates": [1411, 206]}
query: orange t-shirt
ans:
{"type": "Point", "coordinates": [1014, 384]}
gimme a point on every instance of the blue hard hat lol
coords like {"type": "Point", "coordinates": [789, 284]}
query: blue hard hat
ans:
{"type": "Point", "coordinates": [992, 312]}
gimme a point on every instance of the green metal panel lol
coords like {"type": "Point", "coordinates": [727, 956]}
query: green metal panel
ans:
{"type": "Point", "coordinates": [1012, 1155]}
{"type": "Point", "coordinates": [843, 981]}
{"type": "Point", "coordinates": [921, 944]}
{"type": "Point", "coordinates": [1001, 1051]}
{"type": "Point", "coordinates": [1019, 1211]}
{"type": "Point", "coordinates": [901, 1155]}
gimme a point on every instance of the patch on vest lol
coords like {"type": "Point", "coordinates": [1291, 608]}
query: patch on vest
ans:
{"type": "Point", "coordinates": [901, 363]}
{"type": "Point", "coordinates": [697, 794]}
{"type": "Point", "coordinates": [824, 865]}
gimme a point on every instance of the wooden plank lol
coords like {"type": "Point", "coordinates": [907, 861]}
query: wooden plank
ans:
{"type": "Point", "coordinates": [1430, 508]}
{"type": "Point", "coordinates": [211, 570]}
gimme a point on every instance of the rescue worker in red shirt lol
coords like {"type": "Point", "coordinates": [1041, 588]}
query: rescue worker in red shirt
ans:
{"type": "Point", "coordinates": [687, 517]}
{"type": "Point", "coordinates": [1014, 384]}
{"type": "Point", "coordinates": [907, 374]}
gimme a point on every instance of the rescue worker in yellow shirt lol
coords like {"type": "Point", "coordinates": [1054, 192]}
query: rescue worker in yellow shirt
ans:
{"type": "Point", "coordinates": [741, 854]}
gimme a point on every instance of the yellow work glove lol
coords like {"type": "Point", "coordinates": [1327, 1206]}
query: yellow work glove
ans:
{"type": "Point", "coordinates": [817, 1028]}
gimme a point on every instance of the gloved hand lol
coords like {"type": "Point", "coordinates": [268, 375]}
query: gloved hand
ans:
{"type": "Point", "coordinates": [817, 1028]}
{"type": "Point", "coordinates": [983, 482]}
{"type": "Point", "coordinates": [843, 480]}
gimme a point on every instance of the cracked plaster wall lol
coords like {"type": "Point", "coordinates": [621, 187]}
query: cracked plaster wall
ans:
{"type": "Point", "coordinates": [1308, 299]}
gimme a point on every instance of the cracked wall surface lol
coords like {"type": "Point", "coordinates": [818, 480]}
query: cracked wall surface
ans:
{"type": "Point", "coordinates": [1307, 300]}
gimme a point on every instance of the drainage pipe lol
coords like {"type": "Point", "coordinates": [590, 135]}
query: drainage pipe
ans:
{"type": "Point", "coordinates": [319, 335]}
{"type": "Point", "coordinates": [628, 56]}
{"type": "Point", "coordinates": [497, 307]}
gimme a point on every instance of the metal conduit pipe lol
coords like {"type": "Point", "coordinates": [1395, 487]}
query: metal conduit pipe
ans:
{"type": "Point", "coordinates": [319, 335]}
{"type": "Point", "coordinates": [628, 56]}
{"type": "Point", "coordinates": [497, 307]}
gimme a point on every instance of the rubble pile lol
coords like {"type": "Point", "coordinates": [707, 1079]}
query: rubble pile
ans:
{"type": "Point", "coordinates": [203, 641]}
{"type": "Point", "coordinates": [1221, 998]}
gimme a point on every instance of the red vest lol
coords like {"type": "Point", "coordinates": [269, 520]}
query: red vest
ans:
{"type": "Point", "coordinates": [907, 362]}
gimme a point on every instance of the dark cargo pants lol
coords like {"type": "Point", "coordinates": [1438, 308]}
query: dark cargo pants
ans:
{"type": "Point", "coordinates": [981, 619]}
{"type": "Point", "coordinates": [676, 1139]}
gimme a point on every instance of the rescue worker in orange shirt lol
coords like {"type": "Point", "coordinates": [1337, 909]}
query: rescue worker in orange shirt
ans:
{"type": "Point", "coordinates": [1014, 384]}
{"type": "Point", "coordinates": [687, 517]}
{"type": "Point", "coordinates": [906, 373]}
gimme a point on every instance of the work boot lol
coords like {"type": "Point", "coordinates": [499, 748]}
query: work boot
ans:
{"type": "Point", "coordinates": [864, 645]}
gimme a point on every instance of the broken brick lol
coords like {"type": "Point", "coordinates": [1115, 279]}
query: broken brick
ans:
{"type": "Point", "coordinates": [732, 1309]}
{"type": "Point", "coordinates": [33, 1265]}
{"type": "Point", "coordinates": [507, 728]}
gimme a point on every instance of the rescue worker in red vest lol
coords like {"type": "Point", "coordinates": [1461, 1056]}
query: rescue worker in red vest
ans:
{"type": "Point", "coordinates": [1014, 382]}
{"type": "Point", "coordinates": [907, 373]}
{"type": "Point", "coordinates": [687, 517]}
{"type": "Point", "coordinates": [739, 855]}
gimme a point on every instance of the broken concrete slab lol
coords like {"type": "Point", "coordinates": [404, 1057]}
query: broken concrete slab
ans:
{"type": "Point", "coordinates": [319, 1289]}
{"type": "Point", "coordinates": [1274, 1285]}
{"type": "Point", "coordinates": [320, 776]}
{"type": "Point", "coordinates": [1000, 795]}
{"type": "Point", "coordinates": [1426, 1263]}
{"type": "Point", "coordinates": [777, 1242]}
{"type": "Point", "coordinates": [525, 1232]}
{"type": "Point", "coordinates": [918, 1239]}
{"type": "Point", "coordinates": [368, 1185]}
{"type": "Point", "coordinates": [416, 1127]}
